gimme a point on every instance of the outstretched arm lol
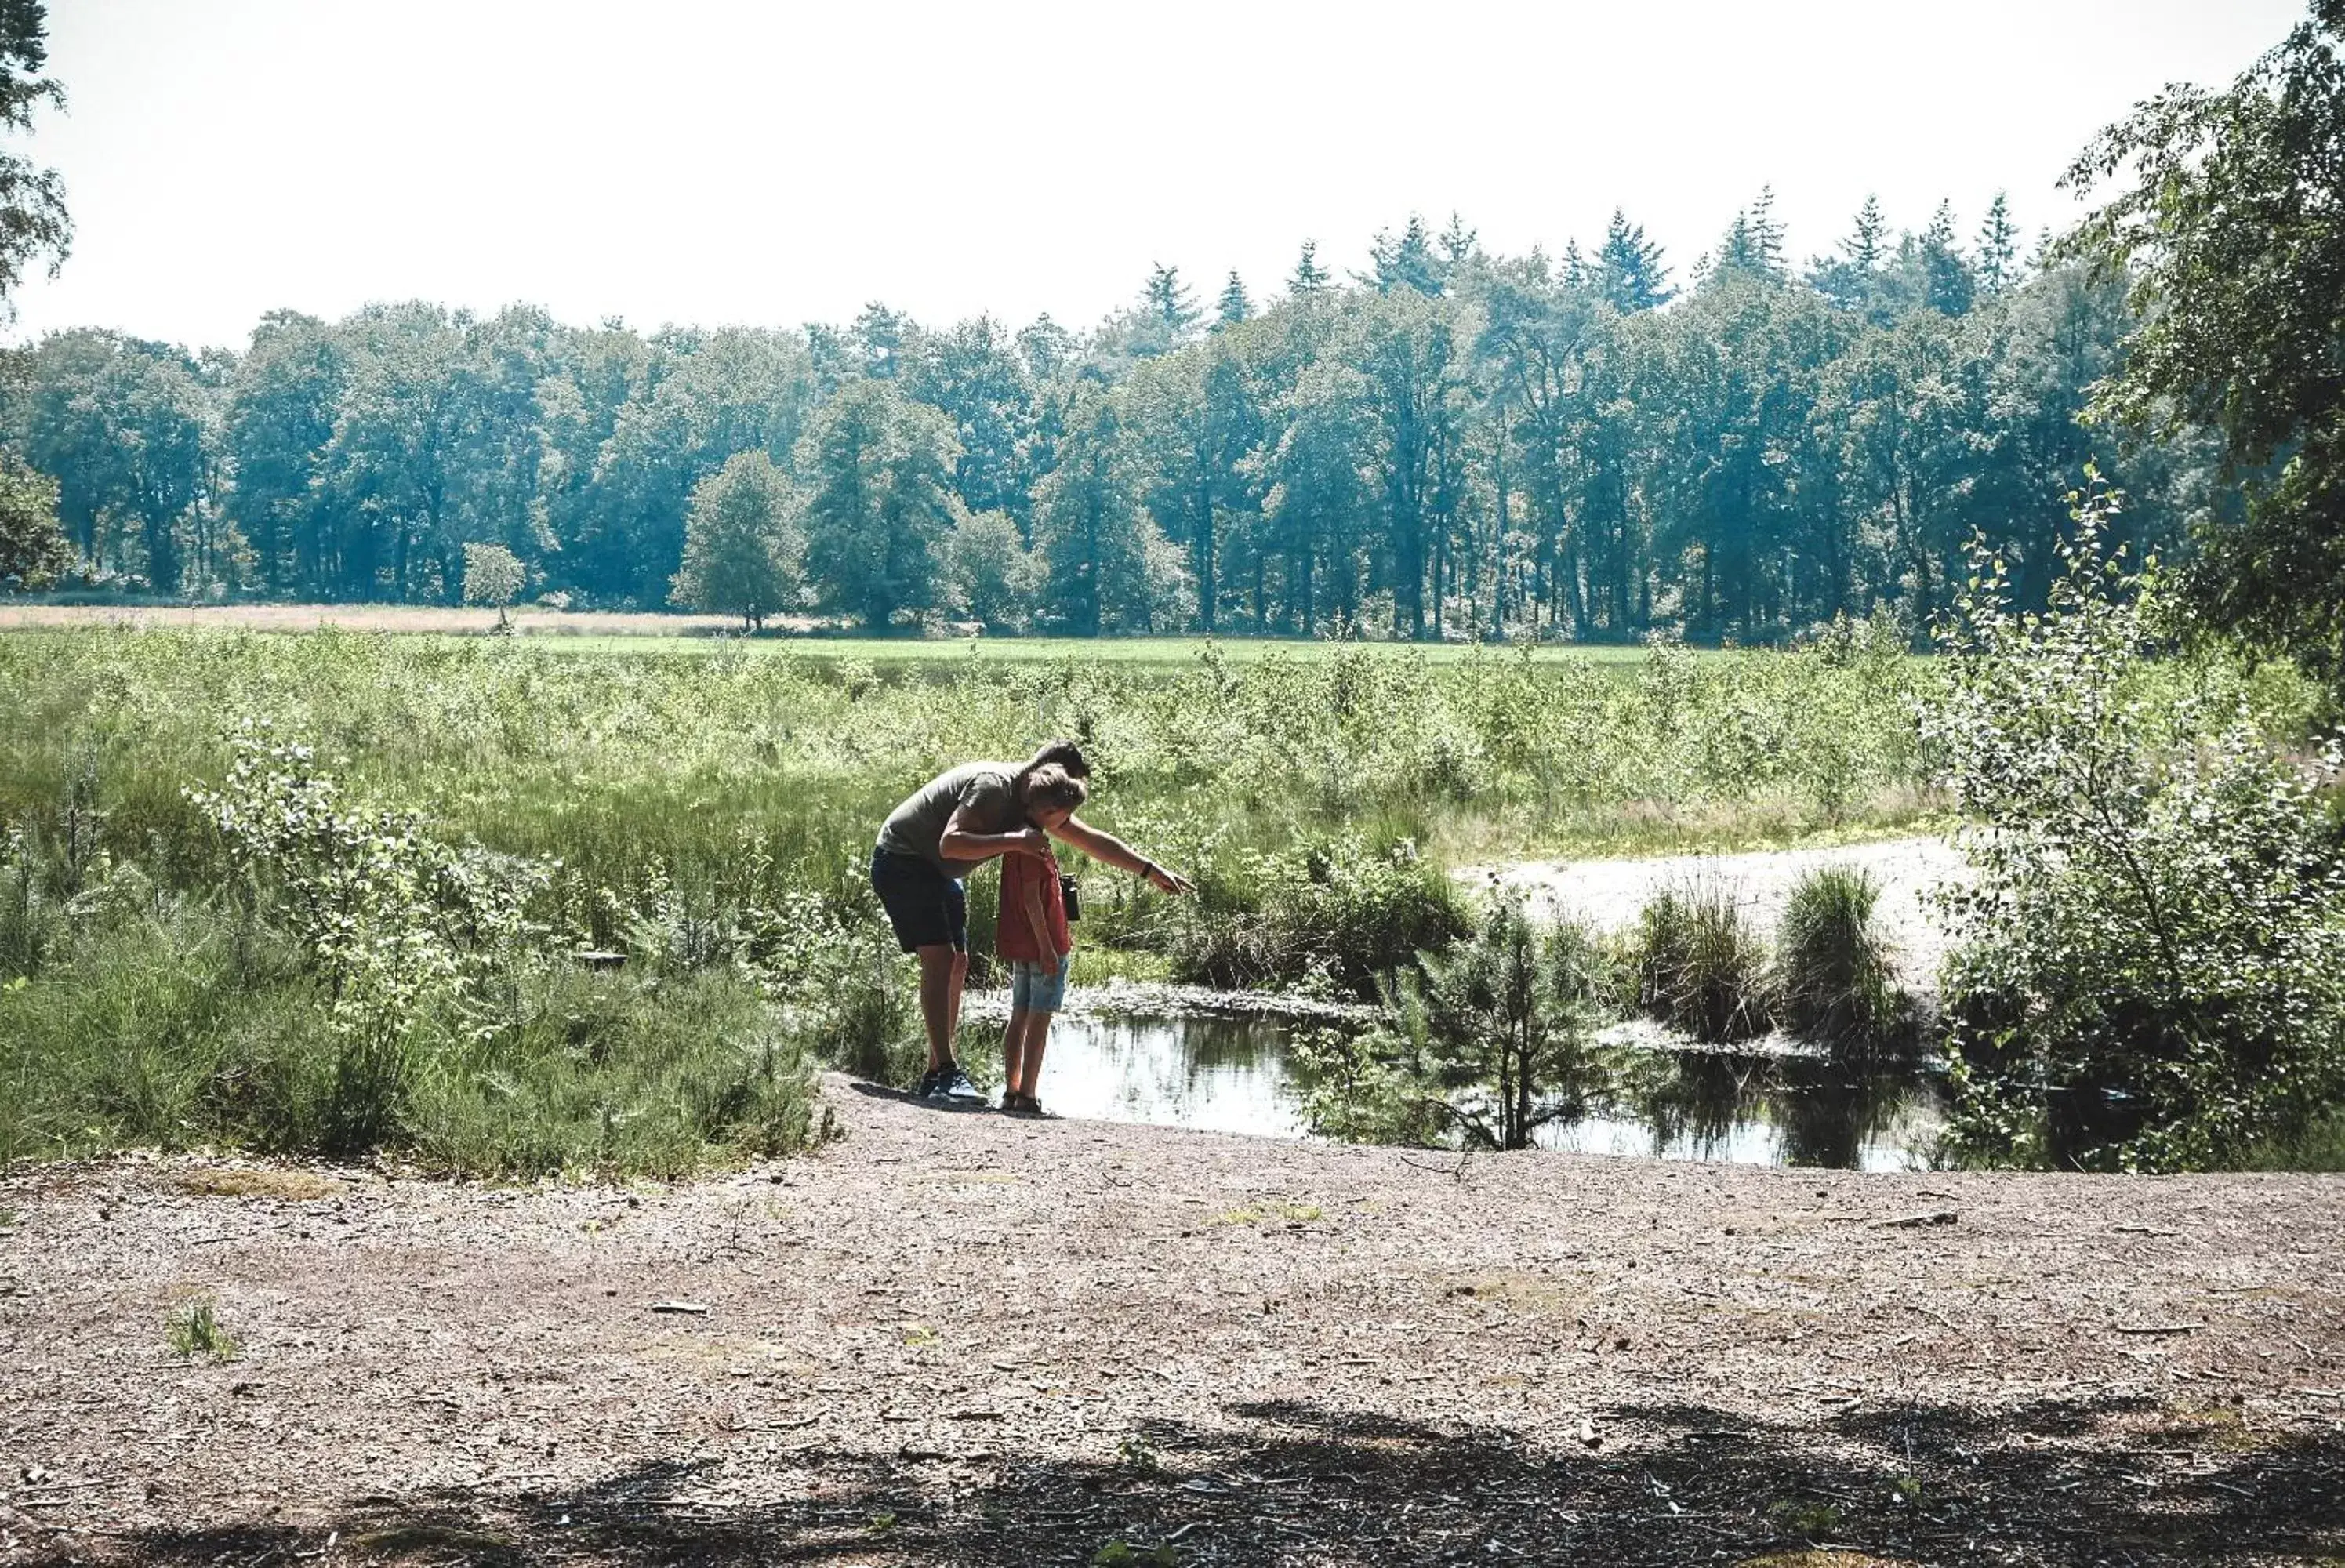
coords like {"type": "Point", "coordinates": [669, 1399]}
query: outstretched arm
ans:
{"type": "Point", "coordinates": [1110, 850]}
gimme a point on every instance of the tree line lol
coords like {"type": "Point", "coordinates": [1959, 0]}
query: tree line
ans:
{"type": "Point", "coordinates": [1580, 445]}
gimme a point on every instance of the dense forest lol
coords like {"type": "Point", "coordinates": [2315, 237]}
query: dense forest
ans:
{"type": "Point", "coordinates": [1582, 446]}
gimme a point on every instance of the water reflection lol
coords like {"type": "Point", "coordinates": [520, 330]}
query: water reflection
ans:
{"type": "Point", "coordinates": [1232, 1075]}
{"type": "Point", "coordinates": [1228, 1075]}
{"type": "Point", "coordinates": [1758, 1111]}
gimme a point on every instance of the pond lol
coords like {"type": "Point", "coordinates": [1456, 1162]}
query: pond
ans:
{"type": "Point", "coordinates": [1232, 1075]}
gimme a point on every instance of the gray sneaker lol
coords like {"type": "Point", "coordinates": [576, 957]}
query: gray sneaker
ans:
{"type": "Point", "coordinates": [953, 1084]}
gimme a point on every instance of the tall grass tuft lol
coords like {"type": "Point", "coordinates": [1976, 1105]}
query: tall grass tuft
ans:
{"type": "Point", "coordinates": [195, 1331]}
{"type": "Point", "coordinates": [1701, 965]}
{"type": "Point", "coordinates": [1834, 983]}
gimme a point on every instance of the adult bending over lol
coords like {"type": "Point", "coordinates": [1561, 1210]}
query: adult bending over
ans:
{"type": "Point", "coordinates": [956, 822]}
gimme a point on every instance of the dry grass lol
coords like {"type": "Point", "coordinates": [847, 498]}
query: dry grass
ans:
{"type": "Point", "coordinates": [1518, 1290]}
{"type": "Point", "coordinates": [282, 1186]}
{"type": "Point", "coordinates": [1818, 1559]}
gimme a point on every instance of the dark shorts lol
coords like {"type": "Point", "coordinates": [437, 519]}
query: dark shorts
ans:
{"type": "Point", "coordinates": [928, 908]}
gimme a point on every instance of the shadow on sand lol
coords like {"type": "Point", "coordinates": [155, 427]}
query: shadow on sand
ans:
{"type": "Point", "coordinates": [2095, 1483]}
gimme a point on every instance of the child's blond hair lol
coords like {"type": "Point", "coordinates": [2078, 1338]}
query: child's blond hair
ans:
{"type": "Point", "coordinates": [1052, 788]}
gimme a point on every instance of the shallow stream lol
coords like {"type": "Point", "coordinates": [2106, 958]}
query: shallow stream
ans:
{"type": "Point", "coordinates": [1232, 1075]}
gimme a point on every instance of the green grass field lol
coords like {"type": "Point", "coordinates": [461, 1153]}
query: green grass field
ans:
{"type": "Point", "coordinates": [648, 632]}
{"type": "Point", "coordinates": [1160, 652]}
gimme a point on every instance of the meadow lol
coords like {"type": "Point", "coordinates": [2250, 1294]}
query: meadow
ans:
{"type": "Point", "coordinates": [648, 632]}
{"type": "Point", "coordinates": [170, 978]}
{"type": "Point", "coordinates": [527, 906]}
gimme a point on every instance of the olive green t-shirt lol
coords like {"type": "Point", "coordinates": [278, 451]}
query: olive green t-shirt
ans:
{"type": "Point", "coordinates": [917, 826]}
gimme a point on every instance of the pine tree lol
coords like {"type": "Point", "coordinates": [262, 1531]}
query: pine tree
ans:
{"type": "Point", "coordinates": [1235, 306]}
{"type": "Point", "coordinates": [1766, 233]}
{"type": "Point", "coordinates": [1941, 232]}
{"type": "Point", "coordinates": [1171, 304]}
{"type": "Point", "coordinates": [1407, 261]}
{"type": "Point", "coordinates": [881, 332]}
{"type": "Point", "coordinates": [1457, 242]}
{"type": "Point", "coordinates": [1866, 249]}
{"type": "Point", "coordinates": [1859, 277]}
{"type": "Point", "coordinates": [1629, 271]}
{"type": "Point", "coordinates": [1999, 246]}
{"type": "Point", "coordinates": [1947, 284]}
{"type": "Point", "coordinates": [1309, 277]}
{"type": "Point", "coordinates": [1575, 266]}
{"type": "Point", "coordinates": [1753, 243]}
{"type": "Point", "coordinates": [1736, 253]}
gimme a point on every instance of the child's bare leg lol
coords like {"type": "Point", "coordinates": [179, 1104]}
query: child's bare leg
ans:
{"type": "Point", "coordinates": [1038, 1035]}
{"type": "Point", "coordinates": [1014, 1052]}
{"type": "Point", "coordinates": [1031, 1052]}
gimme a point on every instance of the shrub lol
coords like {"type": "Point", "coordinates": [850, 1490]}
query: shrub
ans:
{"type": "Point", "coordinates": [1832, 980]}
{"type": "Point", "coordinates": [2320, 1146]}
{"type": "Point", "coordinates": [1345, 907]}
{"type": "Point", "coordinates": [615, 1074]}
{"type": "Point", "coordinates": [390, 920]}
{"type": "Point", "coordinates": [359, 985]}
{"type": "Point", "coordinates": [1700, 965]}
{"type": "Point", "coordinates": [2150, 966]}
{"type": "Point", "coordinates": [1371, 1086]}
{"type": "Point", "coordinates": [1492, 1040]}
{"type": "Point", "coordinates": [842, 986]}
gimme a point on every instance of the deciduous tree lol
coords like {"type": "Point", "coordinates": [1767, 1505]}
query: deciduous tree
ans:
{"type": "Point", "coordinates": [744, 553]}
{"type": "Point", "coordinates": [34, 551]}
{"type": "Point", "coordinates": [2230, 227]}
{"type": "Point", "coordinates": [34, 224]}
{"type": "Point", "coordinates": [879, 471]}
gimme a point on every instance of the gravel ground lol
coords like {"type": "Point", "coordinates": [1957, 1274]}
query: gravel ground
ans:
{"type": "Point", "coordinates": [965, 1339]}
{"type": "Point", "coordinates": [1609, 892]}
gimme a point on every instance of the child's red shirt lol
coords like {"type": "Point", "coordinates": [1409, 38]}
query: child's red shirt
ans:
{"type": "Point", "coordinates": [1013, 932]}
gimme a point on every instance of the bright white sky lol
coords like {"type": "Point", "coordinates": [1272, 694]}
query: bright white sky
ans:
{"type": "Point", "coordinates": [774, 162]}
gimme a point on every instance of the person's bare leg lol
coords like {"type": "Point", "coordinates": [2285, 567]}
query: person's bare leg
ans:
{"type": "Point", "coordinates": [952, 1009]}
{"type": "Point", "coordinates": [1014, 1049]}
{"type": "Point", "coordinates": [940, 970]}
{"type": "Point", "coordinates": [1038, 1035]}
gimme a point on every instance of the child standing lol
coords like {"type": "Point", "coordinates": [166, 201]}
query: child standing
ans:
{"type": "Point", "coordinates": [1032, 936]}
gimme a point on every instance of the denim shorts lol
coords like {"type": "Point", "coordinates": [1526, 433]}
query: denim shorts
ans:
{"type": "Point", "coordinates": [1032, 991]}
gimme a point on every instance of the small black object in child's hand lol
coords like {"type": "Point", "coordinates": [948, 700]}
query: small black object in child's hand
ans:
{"type": "Point", "coordinates": [1072, 895]}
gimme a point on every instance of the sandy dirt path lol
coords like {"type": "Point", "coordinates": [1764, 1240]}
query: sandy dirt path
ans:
{"type": "Point", "coordinates": [1609, 892]}
{"type": "Point", "coordinates": [962, 1339]}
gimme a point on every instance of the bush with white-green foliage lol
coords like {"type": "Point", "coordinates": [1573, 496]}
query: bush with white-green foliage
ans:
{"type": "Point", "coordinates": [2151, 968]}
{"type": "Point", "coordinates": [494, 575]}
